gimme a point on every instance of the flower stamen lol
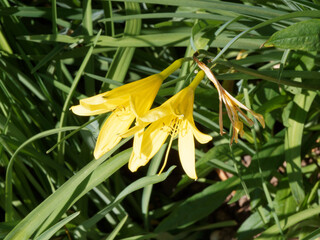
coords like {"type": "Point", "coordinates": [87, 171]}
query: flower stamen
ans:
{"type": "Point", "coordinates": [122, 112]}
{"type": "Point", "coordinates": [167, 155]}
{"type": "Point", "coordinates": [174, 129]}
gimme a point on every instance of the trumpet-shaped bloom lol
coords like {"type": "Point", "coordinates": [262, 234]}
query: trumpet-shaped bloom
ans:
{"type": "Point", "coordinates": [232, 105]}
{"type": "Point", "coordinates": [175, 118]}
{"type": "Point", "coordinates": [126, 103]}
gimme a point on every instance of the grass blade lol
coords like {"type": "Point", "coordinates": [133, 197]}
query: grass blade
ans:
{"type": "Point", "coordinates": [51, 231]}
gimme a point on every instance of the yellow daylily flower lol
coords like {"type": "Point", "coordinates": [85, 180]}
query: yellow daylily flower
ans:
{"type": "Point", "coordinates": [232, 105]}
{"type": "Point", "coordinates": [174, 117]}
{"type": "Point", "coordinates": [126, 103]}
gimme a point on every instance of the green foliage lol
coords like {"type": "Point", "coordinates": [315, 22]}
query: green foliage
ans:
{"type": "Point", "coordinates": [54, 53]}
{"type": "Point", "coordinates": [303, 35]}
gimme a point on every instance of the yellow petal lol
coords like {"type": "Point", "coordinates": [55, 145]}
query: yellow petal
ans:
{"type": "Point", "coordinates": [131, 131]}
{"type": "Point", "coordinates": [141, 101]}
{"type": "Point", "coordinates": [95, 105]}
{"type": "Point", "coordinates": [201, 137]}
{"type": "Point", "coordinates": [156, 113]}
{"type": "Point", "coordinates": [94, 100]}
{"type": "Point", "coordinates": [98, 102]}
{"type": "Point", "coordinates": [137, 141]}
{"type": "Point", "coordinates": [146, 83]}
{"type": "Point", "coordinates": [105, 102]}
{"type": "Point", "coordinates": [135, 160]}
{"type": "Point", "coordinates": [180, 105]}
{"type": "Point", "coordinates": [82, 111]}
{"type": "Point", "coordinates": [154, 137]}
{"type": "Point", "coordinates": [135, 87]}
{"type": "Point", "coordinates": [187, 151]}
{"type": "Point", "coordinates": [109, 135]}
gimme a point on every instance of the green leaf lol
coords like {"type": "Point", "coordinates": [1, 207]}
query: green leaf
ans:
{"type": "Point", "coordinates": [199, 205]}
{"type": "Point", "coordinates": [19, 76]}
{"type": "Point", "coordinates": [8, 195]}
{"type": "Point", "coordinates": [304, 35]}
{"type": "Point", "coordinates": [293, 141]}
{"type": "Point", "coordinates": [140, 183]}
{"type": "Point", "coordinates": [214, 158]}
{"type": "Point", "coordinates": [203, 33]}
{"type": "Point", "coordinates": [51, 231]}
{"type": "Point", "coordinates": [6, 227]}
{"type": "Point", "coordinates": [284, 202]}
{"type": "Point", "coordinates": [274, 103]}
{"type": "Point", "coordinates": [179, 39]}
{"type": "Point", "coordinates": [56, 204]}
{"type": "Point", "coordinates": [215, 6]}
{"type": "Point", "coordinates": [290, 221]}
{"type": "Point", "coordinates": [123, 56]}
{"type": "Point", "coordinates": [115, 231]}
{"type": "Point", "coordinates": [147, 190]}
{"type": "Point", "coordinates": [253, 224]}
{"type": "Point", "coordinates": [312, 236]}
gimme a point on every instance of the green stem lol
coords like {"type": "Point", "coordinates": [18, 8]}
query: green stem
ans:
{"type": "Point", "coordinates": [54, 17]}
{"type": "Point", "coordinates": [88, 31]}
{"type": "Point", "coordinates": [235, 164]}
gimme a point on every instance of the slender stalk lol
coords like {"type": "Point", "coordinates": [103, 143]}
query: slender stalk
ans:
{"type": "Point", "coordinates": [235, 164]}
{"type": "Point", "coordinates": [88, 31]}
{"type": "Point", "coordinates": [54, 16]}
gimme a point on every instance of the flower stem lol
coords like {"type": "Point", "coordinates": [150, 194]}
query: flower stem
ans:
{"type": "Point", "coordinates": [173, 67]}
{"type": "Point", "coordinates": [198, 78]}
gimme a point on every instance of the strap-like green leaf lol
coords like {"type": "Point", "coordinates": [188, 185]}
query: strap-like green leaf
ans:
{"type": "Point", "coordinates": [304, 35]}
